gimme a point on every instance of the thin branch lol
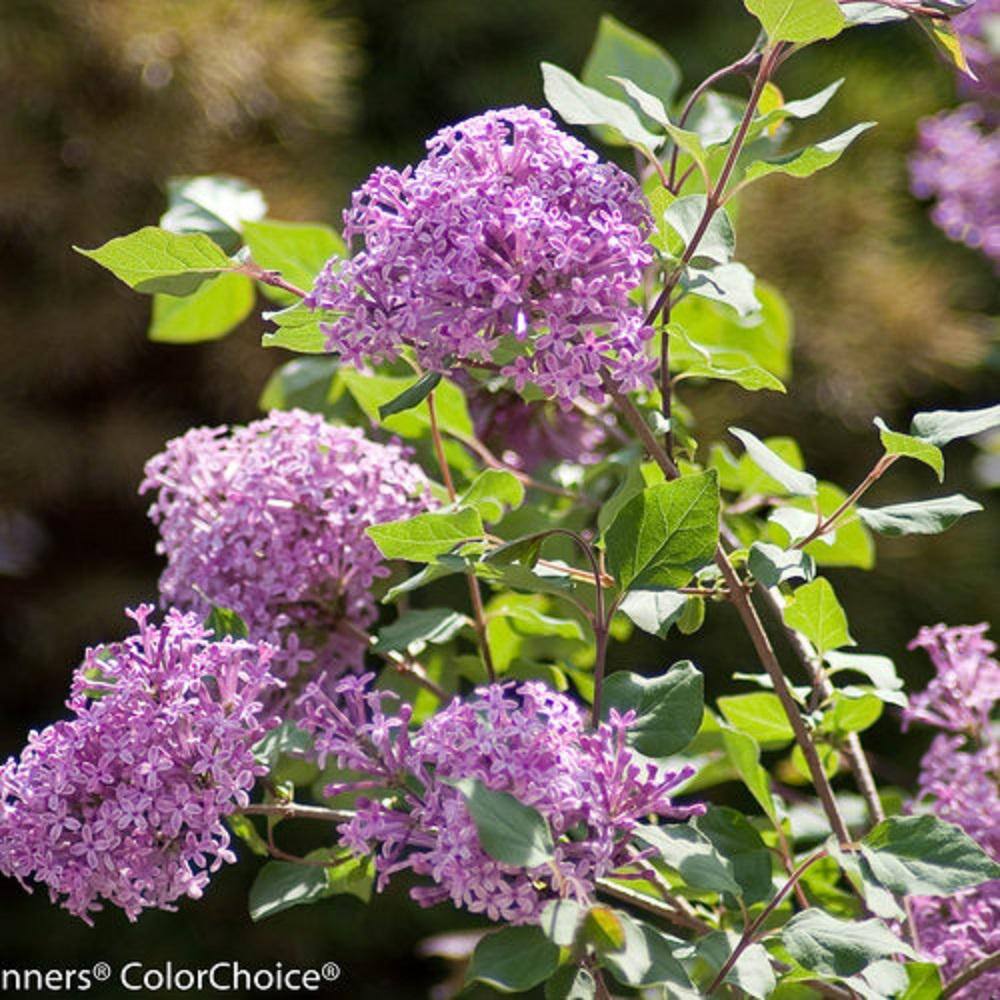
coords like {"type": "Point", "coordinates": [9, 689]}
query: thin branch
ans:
{"type": "Point", "coordinates": [650, 905]}
{"type": "Point", "coordinates": [269, 277]}
{"type": "Point", "coordinates": [969, 973]}
{"type": "Point", "coordinates": [294, 810]}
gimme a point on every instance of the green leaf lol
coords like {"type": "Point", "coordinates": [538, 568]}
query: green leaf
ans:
{"type": "Point", "coordinates": [571, 982]}
{"type": "Point", "coordinates": [947, 41]}
{"type": "Point", "coordinates": [872, 13]}
{"type": "Point", "coordinates": [797, 483]}
{"type": "Point", "coordinates": [154, 260]}
{"type": "Point", "coordinates": [924, 981]}
{"type": "Point", "coordinates": [661, 537]}
{"type": "Point", "coordinates": [943, 426]}
{"type": "Point", "coordinates": [492, 493]}
{"type": "Point", "coordinates": [897, 443]}
{"type": "Point", "coordinates": [801, 109]}
{"type": "Point", "coordinates": [561, 920]}
{"type": "Point", "coordinates": [649, 104]}
{"type": "Point", "coordinates": [925, 856]}
{"type": "Point", "coordinates": [530, 620]}
{"type": "Point", "coordinates": [765, 339]}
{"type": "Point", "coordinates": [524, 550]}
{"type": "Point", "coordinates": [798, 21]}
{"type": "Point", "coordinates": [730, 284]}
{"type": "Point", "coordinates": [578, 104]}
{"type": "Point", "coordinates": [852, 715]}
{"type": "Point", "coordinates": [850, 544]}
{"type": "Point", "coordinates": [224, 622]}
{"type": "Point", "coordinates": [815, 612]}
{"type": "Point", "coordinates": [411, 396]}
{"type": "Point", "coordinates": [921, 517]}
{"type": "Point", "coordinates": [243, 827]}
{"type": "Point", "coordinates": [285, 738]}
{"type": "Point", "coordinates": [509, 831]}
{"type": "Point", "coordinates": [301, 383]}
{"type": "Point", "coordinates": [737, 841]}
{"type": "Point", "coordinates": [620, 51]}
{"type": "Point", "coordinates": [654, 611]}
{"type": "Point", "coordinates": [425, 537]}
{"type": "Point", "coordinates": [668, 708]}
{"type": "Point", "coordinates": [280, 885]}
{"type": "Point", "coordinates": [808, 160]}
{"type": "Point", "coordinates": [215, 205]}
{"type": "Point", "coordinates": [743, 752]}
{"type": "Point", "coordinates": [693, 855]}
{"type": "Point", "coordinates": [752, 972]}
{"type": "Point", "coordinates": [216, 308]}
{"type": "Point", "coordinates": [373, 391]}
{"type": "Point", "coordinates": [513, 960]}
{"type": "Point", "coordinates": [772, 565]}
{"type": "Point", "coordinates": [717, 244]}
{"type": "Point", "coordinates": [759, 715]}
{"type": "Point", "coordinates": [832, 947]}
{"type": "Point", "coordinates": [689, 142]}
{"type": "Point", "coordinates": [647, 958]}
{"type": "Point", "coordinates": [880, 670]}
{"type": "Point", "coordinates": [297, 250]}
{"type": "Point", "coordinates": [298, 329]}
{"type": "Point", "coordinates": [690, 359]}
{"type": "Point", "coordinates": [414, 629]}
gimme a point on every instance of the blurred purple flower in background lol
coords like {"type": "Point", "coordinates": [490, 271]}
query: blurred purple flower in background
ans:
{"type": "Point", "coordinates": [526, 740]}
{"type": "Point", "coordinates": [957, 162]}
{"type": "Point", "coordinates": [959, 782]}
{"type": "Point", "coordinates": [125, 801]}
{"type": "Point", "coordinates": [269, 520]}
{"type": "Point", "coordinates": [509, 236]}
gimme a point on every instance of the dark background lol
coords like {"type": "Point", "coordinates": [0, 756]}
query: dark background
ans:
{"type": "Point", "coordinates": [103, 101]}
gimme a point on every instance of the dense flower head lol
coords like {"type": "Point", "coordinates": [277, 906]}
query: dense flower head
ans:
{"type": "Point", "coordinates": [977, 27]}
{"type": "Point", "coordinates": [124, 802]}
{"type": "Point", "coordinates": [958, 781]}
{"type": "Point", "coordinates": [958, 165]}
{"type": "Point", "coordinates": [523, 739]}
{"type": "Point", "coordinates": [269, 520]}
{"type": "Point", "coordinates": [961, 696]}
{"type": "Point", "coordinates": [509, 228]}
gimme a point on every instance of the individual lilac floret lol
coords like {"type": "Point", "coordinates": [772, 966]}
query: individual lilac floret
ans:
{"type": "Point", "coordinates": [967, 686]}
{"type": "Point", "coordinates": [509, 228]}
{"type": "Point", "coordinates": [269, 520]}
{"type": "Point", "coordinates": [525, 740]}
{"type": "Point", "coordinates": [958, 164]}
{"type": "Point", "coordinates": [125, 801]}
{"type": "Point", "coordinates": [958, 782]}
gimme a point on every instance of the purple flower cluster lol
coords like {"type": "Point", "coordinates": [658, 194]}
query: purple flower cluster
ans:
{"type": "Point", "coordinates": [124, 802]}
{"type": "Point", "coordinates": [509, 228]}
{"type": "Point", "coordinates": [957, 162]}
{"type": "Point", "coordinates": [959, 781]}
{"type": "Point", "coordinates": [269, 520]}
{"type": "Point", "coordinates": [525, 740]}
{"type": "Point", "coordinates": [529, 435]}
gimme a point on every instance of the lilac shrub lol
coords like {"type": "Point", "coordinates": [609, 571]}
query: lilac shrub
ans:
{"type": "Point", "coordinates": [125, 801]}
{"type": "Point", "coordinates": [510, 228]}
{"type": "Point", "coordinates": [959, 781]}
{"type": "Point", "coordinates": [269, 520]}
{"type": "Point", "coordinates": [523, 739]}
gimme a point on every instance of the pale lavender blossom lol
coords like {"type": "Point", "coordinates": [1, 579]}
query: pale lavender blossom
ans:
{"type": "Point", "coordinates": [124, 802]}
{"type": "Point", "coordinates": [269, 520]}
{"type": "Point", "coordinates": [523, 739]}
{"type": "Point", "coordinates": [509, 231]}
{"type": "Point", "coordinates": [959, 782]}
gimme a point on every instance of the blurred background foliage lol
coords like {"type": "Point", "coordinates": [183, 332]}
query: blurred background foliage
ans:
{"type": "Point", "coordinates": [105, 100]}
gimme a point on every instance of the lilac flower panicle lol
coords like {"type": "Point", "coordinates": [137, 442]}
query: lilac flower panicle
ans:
{"type": "Point", "coordinates": [125, 801]}
{"type": "Point", "coordinates": [967, 686]}
{"type": "Point", "coordinates": [522, 739]}
{"type": "Point", "coordinates": [269, 520]}
{"type": "Point", "coordinates": [959, 777]}
{"type": "Point", "coordinates": [509, 228]}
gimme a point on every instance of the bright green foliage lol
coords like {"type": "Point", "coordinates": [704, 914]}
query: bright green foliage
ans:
{"type": "Point", "coordinates": [218, 206]}
{"type": "Point", "coordinates": [760, 715]}
{"type": "Point", "coordinates": [799, 21]}
{"type": "Point", "coordinates": [648, 958]}
{"type": "Point", "coordinates": [922, 517]}
{"type": "Point", "coordinates": [896, 443]}
{"type": "Point", "coordinates": [212, 311]}
{"type": "Point", "coordinates": [513, 959]}
{"type": "Point", "coordinates": [425, 537]}
{"type": "Point", "coordinates": [511, 832]}
{"type": "Point", "coordinates": [492, 493]}
{"type": "Point", "coordinates": [815, 612]}
{"type": "Point", "coordinates": [794, 481]}
{"type": "Point", "coordinates": [668, 708]}
{"type": "Point", "coordinates": [154, 260]}
{"type": "Point", "coordinates": [662, 536]}
{"type": "Point", "coordinates": [297, 250]}
{"type": "Point", "coordinates": [298, 329]}
{"type": "Point", "coordinates": [693, 855]}
{"type": "Point", "coordinates": [743, 752]}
